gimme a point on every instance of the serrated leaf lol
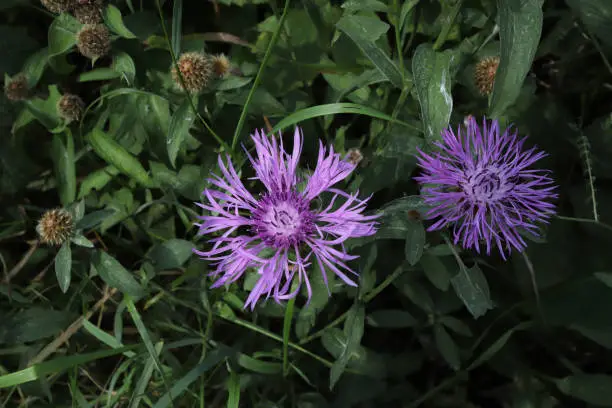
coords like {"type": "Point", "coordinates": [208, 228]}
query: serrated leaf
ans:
{"type": "Point", "coordinates": [181, 122]}
{"type": "Point", "coordinates": [520, 27]}
{"type": "Point", "coordinates": [65, 172]}
{"type": "Point", "coordinates": [115, 275]}
{"type": "Point", "coordinates": [114, 21]}
{"type": "Point", "coordinates": [114, 154]}
{"type": "Point", "coordinates": [415, 242]}
{"type": "Point", "coordinates": [63, 266]}
{"type": "Point", "coordinates": [472, 288]}
{"type": "Point", "coordinates": [432, 80]}
{"type": "Point", "coordinates": [359, 31]}
{"type": "Point", "coordinates": [591, 388]}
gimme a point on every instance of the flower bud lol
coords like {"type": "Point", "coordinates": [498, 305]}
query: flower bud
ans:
{"type": "Point", "coordinates": [221, 64]}
{"type": "Point", "coordinates": [16, 89]}
{"type": "Point", "coordinates": [196, 69]}
{"type": "Point", "coordinates": [55, 227]}
{"type": "Point", "coordinates": [70, 107]}
{"type": "Point", "coordinates": [88, 11]}
{"type": "Point", "coordinates": [484, 75]}
{"type": "Point", "coordinates": [354, 156]}
{"type": "Point", "coordinates": [93, 41]}
{"type": "Point", "coordinates": [58, 6]}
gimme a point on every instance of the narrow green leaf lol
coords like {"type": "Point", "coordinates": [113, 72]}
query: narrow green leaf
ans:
{"type": "Point", "coordinates": [432, 80]}
{"type": "Point", "coordinates": [259, 366]}
{"type": "Point", "coordinates": [65, 173]}
{"type": "Point", "coordinates": [99, 74]}
{"type": "Point", "coordinates": [472, 288]}
{"type": "Point", "coordinates": [97, 180]}
{"type": "Point", "coordinates": [353, 329]}
{"type": "Point", "coordinates": [436, 271]}
{"type": "Point", "coordinates": [447, 347]}
{"type": "Point", "coordinates": [177, 26]}
{"type": "Point", "coordinates": [114, 154]}
{"type": "Point", "coordinates": [80, 240]}
{"type": "Point", "coordinates": [354, 27]}
{"type": "Point", "coordinates": [233, 390]}
{"type": "Point", "coordinates": [181, 122]}
{"type": "Point", "coordinates": [287, 322]}
{"type": "Point", "coordinates": [591, 388]}
{"type": "Point", "coordinates": [145, 377]}
{"type": "Point", "coordinates": [115, 275]}
{"type": "Point", "coordinates": [124, 65]}
{"type": "Point", "coordinates": [415, 242]}
{"type": "Point", "coordinates": [114, 21]}
{"type": "Point", "coordinates": [596, 15]}
{"type": "Point", "coordinates": [520, 27]}
{"type": "Point", "coordinates": [94, 219]}
{"type": "Point", "coordinates": [498, 345]}
{"type": "Point", "coordinates": [63, 266]}
{"type": "Point", "coordinates": [105, 338]}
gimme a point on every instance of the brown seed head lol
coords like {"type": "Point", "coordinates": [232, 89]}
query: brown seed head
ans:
{"type": "Point", "coordinates": [58, 6]}
{"type": "Point", "coordinates": [354, 156]}
{"type": "Point", "coordinates": [93, 41]}
{"type": "Point", "coordinates": [221, 64]}
{"type": "Point", "coordinates": [484, 75]}
{"type": "Point", "coordinates": [70, 107]}
{"type": "Point", "coordinates": [195, 68]}
{"type": "Point", "coordinates": [55, 227]}
{"type": "Point", "coordinates": [88, 12]}
{"type": "Point", "coordinates": [16, 89]}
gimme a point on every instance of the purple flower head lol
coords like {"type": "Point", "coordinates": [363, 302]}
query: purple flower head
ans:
{"type": "Point", "coordinates": [481, 183]}
{"type": "Point", "coordinates": [280, 232]}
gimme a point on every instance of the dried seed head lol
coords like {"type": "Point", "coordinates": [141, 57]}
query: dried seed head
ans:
{"type": "Point", "coordinates": [16, 89]}
{"type": "Point", "coordinates": [70, 107]}
{"type": "Point", "coordinates": [55, 227]}
{"type": "Point", "coordinates": [195, 68]}
{"type": "Point", "coordinates": [58, 6]}
{"type": "Point", "coordinates": [221, 64]}
{"type": "Point", "coordinates": [484, 75]}
{"type": "Point", "coordinates": [354, 156]}
{"type": "Point", "coordinates": [93, 41]}
{"type": "Point", "coordinates": [88, 11]}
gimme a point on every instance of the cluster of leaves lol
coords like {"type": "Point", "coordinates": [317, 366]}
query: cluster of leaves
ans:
{"type": "Point", "coordinates": [121, 314]}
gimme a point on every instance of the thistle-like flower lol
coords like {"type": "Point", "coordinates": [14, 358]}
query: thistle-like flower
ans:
{"type": "Point", "coordinates": [88, 11]}
{"type": "Point", "coordinates": [17, 89]}
{"type": "Point", "coordinates": [221, 64]}
{"type": "Point", "coordinates": [481, 183]}
{"type": "Point", "coordinates": [70, 107]}
{"type": "Point", "coordinates": [55, 227]}
{"type": "Point", "coordinates": [281, 232]}
{"type": "Point", "coordinates": [93, 41]}
{"type": "Point", "coordinates": [484, 74]}
{"type": "Point", "coordinates": [196, 69]}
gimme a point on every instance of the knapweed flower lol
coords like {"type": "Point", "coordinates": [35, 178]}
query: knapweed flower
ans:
{"type": "Point", "coordinates": [55, 227]}
{"type": "Point", "coordinates": [94, 41]}
{"type": "Point", "coordinates": [195, 68]}
{"type": "Point", "coordinates": [481, 183]}
{"type": "Point", "coordinates": [17, 89]}
{"type": "Point", "coordinates": [484, 74]}
{"type": "Point", "coordinates": [221, 64]}
{"type": "Point", "coordinates": [88, 11]}
{"type": "Point", "coordinates": [70, 107]}
{"type": "Point", "coordinates": [282, 231]}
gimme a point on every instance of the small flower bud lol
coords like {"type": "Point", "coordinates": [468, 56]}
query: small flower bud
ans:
{"type": "Point", "coordinates": [195, 68]}
{"type": "Point", "coordinates": [88, 11]}
{"type": "Point", "coordinates": [58, 6]}
{"type": "Point", "coordinates": [55, 227]}
{"type": "Point", "coordinates": [70, 107]}
{"type": "Point", "coordinates": [93, 41]}
{"type": "Point", "coordinates": [354, 156]}
{"type": "Point", "coordinates": [484, 75]}
{"type": "Point", "coordinates": [16, 89]}
{"type": "Point", "coordinates": [221, 64]}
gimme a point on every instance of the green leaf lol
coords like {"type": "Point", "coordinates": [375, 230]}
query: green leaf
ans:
{"type": "Point", "coordinates": [432, 80]}
{"type": "Point", "coordinates": [605, 277]}
{"type": "Point", "coordinates": [436, 271]}
{"type": "Point", "coordinates": [32, 325]}
{"type": "Point", "coordinates": [35, 65]}
{"type": "Point", "coordinates": [258, 366]}
{"type": "Point", "coordinates": [145, 378]}
{"type": "Point", "coordinates": [114, 154]}
{"type": "Point", "coordinates": [590, 388]}
{"type": "Point", "coordinates": [45, 110]}
{"type": "Point", "coordinates": [359, 29]}
{"type": "Point", "coordinates": [415, 242]}
{"type": "Point", "coordinates": [114, 21]}
{"type": "Point", "coordinates": [596, 15]}
{"type": "Point", "coordinates": [65, 173]}
{"type": "Point", "coordinates": [447, 347]}
{"type": "Point", "coordinates": [80, 240]}
{"type": "Point", "coordinates": [124, 65]}
{"type": "Point", "coordinates": [177, 26]}
{"type": "Point", "coordinates": [63, 266]}
{"type": "Point", "coordinates": [287, 322]}
{"type": "Point", "coordinates": [63, 34]}
{"type": "Point", "coordinates": [472, 288]}
{"type": "Point", "coordinates": [233, 390]}
{"type": "Point", "coordinates": [97, 180]}
{"type": "Point", "coordinates": [391, 319]}
{"type": "Point", "coordinates": [182, 120]}
{"type": "Point", "coordinates": [99, 74]}
{"type": "Point", "coordinates": [115, 275]}
{"type": "Point", "coordinates": [353, 329]}
{"type": "Point", "coordinates": [94, 219]}
{"type": "Point", "coordinates": [520, 27]}
{"type": "Point", "coordinates": [171, 254]}
{"type": "Point", "coordinates": [332, 109]}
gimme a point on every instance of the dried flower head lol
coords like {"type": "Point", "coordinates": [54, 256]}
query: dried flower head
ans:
{"type": "Point", "coordinates": [55, 227]}
{"type": "Point", "coordinates": [221, 64]}
{"type": "Point", "coordinates": [354, 156]}
{"type": "Point", "coordinates": [484, 74]}
{"type": "Point", "coordinates": [93, 41]}
{"type": "Point", "coordinates": [481, 183]}
{"type": "Point", "coordinates": [281, 232]}
{"type": "Point", "coordinates": [70, 107]}
{"type": "Point", "coordinates": [196, 69]}
{"type": "Point", "coordinates": [17, 89]}
{"type": "Point", "coordinates": [88, 11]}
{"type": "Point", "coordinates": [58, 6]}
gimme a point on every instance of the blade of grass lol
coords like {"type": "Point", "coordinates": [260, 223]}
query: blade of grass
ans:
{"type": "Point", "coordinates": [286, 332]}
{"type": "Point", "coordinates": [147, 372]}
{"type": "Point", "coordinates": [177, 26]}
{"type": "Point", "coordinates": [233, 389]}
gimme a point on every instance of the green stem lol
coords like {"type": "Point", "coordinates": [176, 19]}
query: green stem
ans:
{"type": "Point", "coordinates": [448, 24]}
{"type": "Point", "coordinates": [586, 221]}
{"type": "Point", "coordinates": [259, 75]}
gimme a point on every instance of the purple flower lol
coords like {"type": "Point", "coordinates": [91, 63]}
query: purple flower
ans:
{"type": "Point", "coordinates": [281, 232]}
{"type": "Point", "coordinates": [481, 183]}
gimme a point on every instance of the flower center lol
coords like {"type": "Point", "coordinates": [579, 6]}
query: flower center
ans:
{"type": "Point", "coordinates": [283, 219]}
{"type": "Point", "coordinates": [486, 185]}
